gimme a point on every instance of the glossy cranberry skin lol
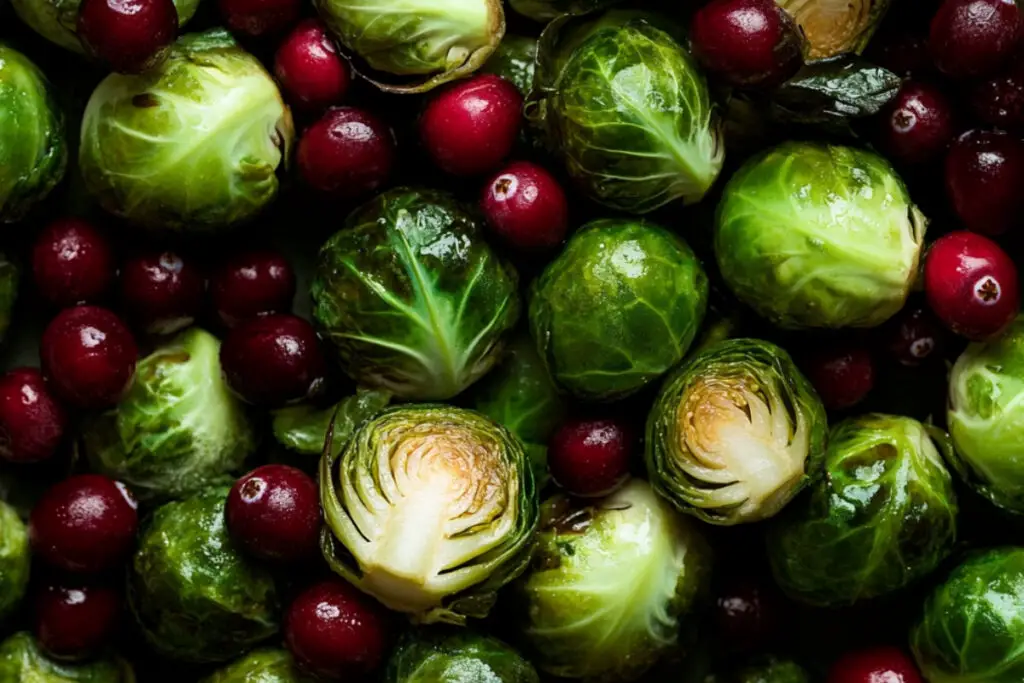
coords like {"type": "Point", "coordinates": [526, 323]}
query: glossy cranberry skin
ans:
{"type": "Point", "coordinates": [971, 38]}
{"type": "Point", "coordinates": [918, 124]}
{"type": "Point", "coordinates": [999, 101]}
{"type": "Point", "coordinates": [590, 457]}
{"type": "Point", "coordinates": [984, 177]}
{"type": "Point", "coordinates": [86, 523]}
{"type": "Point", "coordinates": [915, 337]}
{"type": "Point", "coordinates": [526, 207]}
{"type": "Point", "coordinates": [312, 74]}
{"type": "Point", "coordinates": [162, 291]}
{"type": "Point", "coordinates": [971, 284]}
{"type": "Point", "coordinates": [72, 263]}
{"type": "Point", "coordinates": [251, 283]}
{"type": "Point", "coordinates": [471, 126]}
{"type": "Point", "coordinates": [274, 512]}
{"type": "Point", "coordinates": [88, 356]}
{"type": "Point", "coordinates": [333, 630]}
{"type": "Point", "coordinates": [75, 620]}
{"type": "Point", "coordinates": [259, 17]}
{"type": "Point", "coordinates": [842, 374]}
{"type": "Point", "coordinates": [131, 36]}
{"type": "Point", "coordinates": [746, 42]}
{"type": "Point", "coordinates": [347, 153]}
{"type": "Point", "coordinates": [32, 422]}
{"type": "Point", "coordinates": [746, 614]}
{"type": "Point", "coordinates": [875, 665]}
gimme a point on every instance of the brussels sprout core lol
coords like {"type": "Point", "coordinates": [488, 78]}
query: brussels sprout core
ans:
{"type": "Point", "coordinates": [834, 27]}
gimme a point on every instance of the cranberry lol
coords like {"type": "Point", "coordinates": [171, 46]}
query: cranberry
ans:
{"type": "Point", "coordinates": [162, 291]}
{"type": "Point", "coordinates": [875, 665]}
{"type": "Point", "coordinates": [999, 101]}
{"type": "Point", "coordinates": [75, 620]}
{"type": "Point", "coordinates": [526, 206]}
{"type": "Point", "coordinates": [471, 126]}
{"type": "Point", "coordinates": [274, 512]}
{"type": "Point", "coordinates": [251, 283]}
{"type": "Point", "coordinates": [259, 17]}
{"type": "Point", "coordinates": [32, 422]}
{"type": "Point", "coordinates": [86, 523]}
{"type": "Point", "coordinates": [72, 263]}
{"type": "Point", "coordinates": [347, 153]}
{"type": "Point", "coordinates": [747, 42]}
{"type": "Point", "coordinates": [984, 177]}
{"type": "Point", "coordinates": [332, 629]}
{"type": "Point", "coordinates": [746, 613]}
{"type": "Point", "coordinates": [311, 72]}
{"type": "Point", "coordinates": [973, 37]}
{"type": "Point", "coordinates": [842, 374]}
{"type": "Point", "coordinates": [971, 284]}
{"type": "Point", "coordinates": [918, 124]}
{"type": "Point", "coordinates": [88, 356]}
{"type": "Point", "coordinates": [914, 336]}
{"type": "Point", "coordinates": [590, 457]}
{"type": "Point", "coordinates": [130, 35]}
{"type": "Point", "coordinates": [273, 360]}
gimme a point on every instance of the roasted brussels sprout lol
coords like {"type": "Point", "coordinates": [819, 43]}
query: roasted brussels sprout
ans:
{"type": "Point", "coordinates": [815, 235]}
{"type": "Point", "coordinates": [431, 509]}
{"type": "Point", "coordinates": [617, 308]}
{"type": "Point", "coordinates": [515, 61]}
{"type": "Point", "coordinates": [835, 27]}
{"type": "Point", "coordinates": [883, 516]}
{"type": "Point", "coordinates": [192, 146]}
{"type": "Point", "coordinates": [303, 428]}
{"type": "Point", "coordinates": [21, 661]}
{"type": "Point", "coordinates": [8, 292]}
{"type": "Point", "coordinates": [456, 656]}
{"type": "Point", "coordinates": [268, 665]}
{"type": "Point", "coordinates": [14, 559]}
{"type": "Point", "coordinates": [735, 433]}
{"type": "Point", "coordinates": [412, 297]}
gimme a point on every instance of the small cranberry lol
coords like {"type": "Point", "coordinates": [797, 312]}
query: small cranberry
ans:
{"type": "Point", "coordinates": [251, 283]}
{"type": "Point", "coordinates": [311, 72]}
{"type": "Point", "coordinates": [162, 291]}
{"type": "Point", "coordinates": [259, 17]}
{"type": "Point", "coordinates": [526, 207]}
{"type": "Point", "coordinates": [999, 101]}
{"type": "Point", "coordinates": [347, 153]}
{"type": "Point", "coordinates": [842, 374]}
{"type": "Point", "coordinates": [72, 263]}
{"type": "Point", "coordinates": [972, 38]}
{"type": "Point", "coordinates": [591, 457]}
{"type": "Point", "coordinates": [274, 512]}
{"type": "Point", "coordinates": [746, 613]}
{"type": "Point", "coordinates": [918, 124]}
{"type": "Point", "coordinates": [984, 177]}
{"type": "Point", "coordinates": [75, 620]}
{"type": "Point", "coordinates": [131, 36]}
{"type": "Point", "coordinates": [875, 665]}
{"type": "Point", "coordinates": [32, 422]}
{"type": "Point", "coordinates": [915, 336]}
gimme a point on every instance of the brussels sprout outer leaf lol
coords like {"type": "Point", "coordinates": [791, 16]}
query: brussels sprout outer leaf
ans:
{"type": "Point", "coordinates": [448, 655]}
{"type": "Point", "coordinates": [515, 61]}
{"type": "Point", "coordinates": [8, 292]}
{"type": "Point", "coordinates": [14, 559]}
{"type": "Point", "coordinates": [268, 665]}
{"type": "Point", "coordinates": [834, 27]}
{"type": "Point", "coordinates": [772, 670]}
{"type": "Point", "coordinates": [546, 10]}
{"type": "Point", "coordinates": [303, 428]}
{"type": "Point", "coordinates": [21, 661]}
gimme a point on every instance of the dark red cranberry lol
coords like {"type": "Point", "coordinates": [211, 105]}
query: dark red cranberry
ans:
{"type": "Point", "coordinates": [904, 53]}
{"type": "Point", "coordinates": [311, 72]}
{"type": "Point", "coordinates": [333, 630]}
{"type": "Point", "coordinates": [842, 374]}
{"type": "Point", "coordinates": [162, 291]}
{"type": "Point", "coordinates": [746, 42]}
{"type": "Point", "coordinates": [75, 620]}
{"type": "Point", "coordinates": [259, 17]}
{"type": "Point", "coordinates": [914, 336]}
{"type": "Point", "coordinates": [273, 360]}
{"type": "Point", "coordinates": [252, 283]}
{"type": "Point", "coordinates": [526, 206]}
{"type": "Point", "coordinates": [590, 457]}
{"type": "Point", "coordinates": [72, 263]}
{"type": "Point", "coordinates": [875, 665]}
{"type": "Point", "coordinates": [984, 177]}
{"type": "Point", "coordinates": [32, 422]}
{"type": "Point", "coordinates": [971, 284]}
{"type": "Point", "coordinates": [88, 356]}
{"type": "Point", "coordinates": [918, 125]}
{"type": "Point", "coordinates": [747, 614]}
{"type": "Point", "coordinates": [347, 153]}
{"type": "Point", "coordinates": [972, 38]}
{"type": "Point", "coordinates": [999, 101]}
{"type": "Point", "coordinates": [274, 512]}
{"type": "Point", "coordinates": [130, 35]}
{"type": "Point", "coordinates": [470, 127]}
{"type": "Point", "coordinates": [86, 523]}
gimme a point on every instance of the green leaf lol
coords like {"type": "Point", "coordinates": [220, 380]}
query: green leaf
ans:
{"type": "Point", "coordinates": [303, 428]}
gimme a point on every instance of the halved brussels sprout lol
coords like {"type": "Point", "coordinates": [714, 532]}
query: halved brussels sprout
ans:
{"type": "Point", "coordinates": [8, 292]}
{"type": "Point", "coordinates": [192, 146]}
{"type": "Point", "coordinates": [430, 509]}
{"type": "Point", "coordinates": [268, 665]}
{"type": "Point", "coordinates": [735, 433]}
{"type": "Point", "coordinates": [515, 60]}
{"type": "Point", "coordinates": [21, 661]}
{"type": "Point", "coordinates": [834, 27]}
{"type": "Point", "coordinates": [14, 559]}
{"type": "Point", "coordinates": [883, 516]}
{"type": "Point", "coordinates": [449, 655]}
{"type": "Point", "coordinates": [303, 428]}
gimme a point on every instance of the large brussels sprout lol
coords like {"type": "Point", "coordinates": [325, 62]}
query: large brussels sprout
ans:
{"type": "Point", "coordinates": [303, 428]}
{"type": "Point", "coordinates": [177, 428]}
{"type": "Point", "coordinates": [192, 146]}
{"type": "Point", "coordinates": [8, 292]}
{"type": "Point", "coordinates": [196, 597]}
{"type": "Point", "coordinates": [14, 559]}
{"type": "Point", "coordinates": [617, 308]}
{"type": "Point", "coordinates": [815, 235]}
{"type": "Point", "coordinates": [835, 27]}
{"type": "Point", "coordinates": [628, 111]}
{"type": "Point", "coordinates": [456, 656]}
{"type": "Point", "coordinates": [883, 516]}
{"type": "Point", "coordinates": [412, 297]}
{"type": "Point", "coordinates": [431, 509]}
{"type": "Point", "coordinates": [267, 665]}
{"type": "Point", "coordinates": [735, 433]}
{"type": "Point", "coordinates": [21, 661]}
{"type": "Point", "coordinates": [610, 584]}
{"type": "Point", "coordinates": [515, 61]}
{"type": "Point", "coordinates": [33, 152]}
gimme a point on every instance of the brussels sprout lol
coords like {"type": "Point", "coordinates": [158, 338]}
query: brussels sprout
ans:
{"type": "Point", "coordinates": [618, 308]}
{"type": "Point", "coordinates": [14, 559]}
{"type": "Point", "coordinates": [610, 583]}
{"type": "Point", "coordinates": [303, 428]}
{"type": "Point", "coordinates": [33, 153]}
{"type": "Point", "coordinates": [21, 661]}
{"type": "Point", "coordinates": [192, 146]}
{"type": "Point", "coordinates": [546, 10]}
{"type": "Point", "coordinates": [883, 516]}
{"type": "Point", "coordinates": [8, 292]}
{"type": "Point", "coordinates": [515, 61]}
{"type": "Point", "coordinates": [626, 108]}
{"type": "Point", "coordinates": [834, 27]}
{"type": "Point", "coordinates": [815, 235]}
{"type": "Point", "coordinates": [195, 595]}
{"type": "Point", "coordinates": [772, 670]}
{"type": "Point", "coordinates": [431, 509]}
{"type": "Point", "coordinates": [412, 297]}
{"type": "Point", "coordinates": [735, 433]}
{"type": "Point", "coordinates": [456, 656]}
{"type": "Point", "coordinates": [260, 666]}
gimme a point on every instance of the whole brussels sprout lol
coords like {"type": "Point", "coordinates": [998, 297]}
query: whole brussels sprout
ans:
{"type": "Point", "coordinates": [196, 597]}
{"type": "Point", "coordinates": [618, 308]}
{"type": "Point", "coordinates": [14, 559]}
{"type": "Point", "coordinates": [303, 428]}
{"type": "Point", "coordinates": [268, 665]}
{"type": "Point", "coordinates": [430, 509]}
{"type": "Point", "coordinates": [815, 235]}
{"type": "Point", "coordinates": [8, 292]}
{"type": "Point", "coordinates": [191, 146]}
{"type": "Point", "coordinates": [835, 27]}
{"type": "Point", "coordinates": [883, 516]}
{"type": "Point", "coordinates": [515, 61]}
{"type": "Point", "coordinates": [610, 584]}
{"type": "Point", "coordinates": [456, 656]}
{"type": "Point", "coordinates": [21, 661]}
{"type": "Point", "coordinates": [412, 297]}
{"type": "Point", "coordinates": [735, 433]}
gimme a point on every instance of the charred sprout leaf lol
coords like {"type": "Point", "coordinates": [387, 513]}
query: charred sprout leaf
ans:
{"type": "Point", "coordinates": [835, 27]}
{"type": "Point", "coordinates": [8, 292]}
{"type": "Point", "coordinates": [303, 428]}
{"type": "Point", "coordinates": [546, 10]}
{"type": "Point", "coordinates": [515, 61]}
{"type": "Point", "coordinates": [21, 661]}
{"type": "Point", "coordinates": [449, 655]}
{"type": "Point", "coordinates": [14, 560]}
{"type": "Point", "coordinates": [269, 665]}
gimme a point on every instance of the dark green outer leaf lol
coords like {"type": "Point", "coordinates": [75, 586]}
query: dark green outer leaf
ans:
{"type": "Point", "coordinates": [14, 559]}
{"type": "Point", "coordinates": [446, 655]}
{"type": "Point", "coordinates": [546, 10]}
{"type": "Point", "coordinates": [303, 428]}
{"type": "Point", "coordinates": [515, 61]}
{"type": "Point", "coordinates": [261, 666]}
{"type": "Point", "coordinates": [21, 661]}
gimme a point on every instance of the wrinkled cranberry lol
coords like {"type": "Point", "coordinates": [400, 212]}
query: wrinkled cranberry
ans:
{"type": "Point", "coordinates": [842, 374]}
{"type": "Point", "coordinates": [259, 17]}
{"type": "Point", "coordinates": [999, 101]}
{"type": "Point", "coordinates": [590, 457]}
{"type": "Point", "coordinates": [973, 37]}
{"type": "Point", "coordinates": [72, 263]}
{"type": "Point", "coordinates": [75, 620]}
{"type": "Point", "coordinates": [162, 291]}
{"type": "Point", "coordinates": [32, 422]}
{"type": "Point", "coordinates": [311, 72]}
{"type": "Point", "coordinates": [746, 614]}
{"type": "Point", "coordinates": [917, 125]}
{"type": "Point", "coordinates": [347, 153]}
{"type": "Point", "coordinates": [252, 283]}
{"type": "Point", "coordinates": [915, 336]}
{"type": "Point", "coordinates": [130, 35]}
{"type": "Point", "coordinates": [526, 207]}
{"type": "Point", "coordinates": [274, 512]}
{"type": "Point", "coordinates": [875, 665]}
{"type": "Point", "coordinates": [984, 177]}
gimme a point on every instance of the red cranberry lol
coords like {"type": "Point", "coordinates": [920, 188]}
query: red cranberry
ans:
{"type": "Point", "coordinates": [259, 17]}
{"type": "Point", "coordinates": [999, 101]}
{"type": "Point", "coordinates": [332, 630]}
{"type": "Point", "coordinates": [915, 336]}
{"type": "Point", "coordinates": [273, 360]}
{"type": "Point", "coordinates": [130, 35]}
{"type": "Point", "coordinates": [470, 127]}
{"type": "Point", "coordinates": [274, 512]}
{"type": "Point", "coordinates": [162, 291]}
{"type": "Point", "coordinates": [875, 665]}
{"type": "Point", "coordinates": [32, 422]}
{"type": "Point", "coordinates": [971, 284]}
{"type": "Point", "coordinates": [252, 283]}
{"type": "Point", "coordinates": [590, 457]}
{"type": "Point", "coordinates": [88, 356]}
{"type": "Point", "coordinates": [984, 179]}
{"type": "Point", "coordinates": [746, 613]}
{"type": "Point", "coordinates": [526, 206]}
{"type": "Point", "coordinates": [973, 37]}
{"type": "Point", "coordinates": [311, 72]}
{"type": "Point", "coordinates": [72, 263]}
{"type": "Point", "coordinates": [347, 153]}
{"type": "Point", "coordinates": [75, 620]}
{"type": "Point", "coordinates": [918, 124]}
{"type": "Point", "coordinates": [84, 524]}
{"type": "Point", "coordinates": [746, 42]}
{"type": "Point", "coordinates": [842, 375]}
